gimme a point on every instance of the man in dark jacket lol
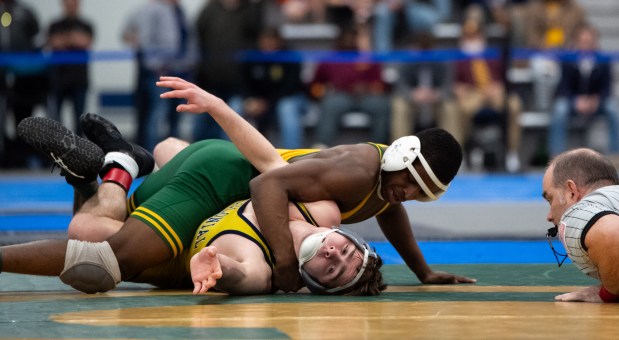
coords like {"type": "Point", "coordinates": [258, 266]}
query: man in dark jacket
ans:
{"type": "Point", "coordinates": [71, 36]}
{"type": "Point", "coordinates": [584, 91]}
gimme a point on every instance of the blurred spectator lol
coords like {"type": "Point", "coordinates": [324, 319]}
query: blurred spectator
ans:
{"type": "Point", "coordinates": [550, 23]}
{"type": "Point", "coordinates": [494, 11]}
{"type": "Point", "coordinates": [584, 92]}
{"type": "Point", "coordinates": [420, 92]}
{"type": "Point", "coordinates": [510, 15]}
{"type": "Point", "coordinates": [483, 104]}
{"type": "Point", "coordinates": [23, 84]}
{"type": "Point", "coordinates": [345, 86]}
{"type": "Point", "coordinates": [220, 41]}
{"type": "Point", "coordinates": [515, 21]}
{"type": "Point", "coordinates": [295, 11]}
{"type": "Point", "coordinates": [131, 37]}
{"type": "Point", "coordinates": [73, 35]}
{"type": "Point", "coordinates": [274, 90]}
{"type": "Point", "coordinates": [166, 41]}
{"type": "Point", "coordinates": [349, 14]}
{"type": "Point", "coordinates": [420, 16]}
{"type": "Point", "coordinates": [343, 13]}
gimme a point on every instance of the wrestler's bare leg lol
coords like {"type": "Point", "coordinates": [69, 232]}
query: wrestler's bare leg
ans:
{"type": "Point", "coordinates": [79, 199]}
{"type": "Point", "coordinates": [101, 216]}
{"type": "Point", "coordinates": [136, 247]}
{"type": "Point", "coordinates": [166, 150]}
{"type": "Point", "coordinates": [35, 258]}
{"type": "Point", "coordinates": [104, 213]}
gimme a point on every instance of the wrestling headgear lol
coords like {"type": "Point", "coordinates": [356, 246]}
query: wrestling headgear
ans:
{"type": "Point", "coordinates": [401, 154]}
{"type": "Point", "coordinates": [311, 245]}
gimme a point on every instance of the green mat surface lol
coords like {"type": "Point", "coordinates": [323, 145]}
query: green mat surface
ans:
{"type": "Point", "coordinates": [27, 302]}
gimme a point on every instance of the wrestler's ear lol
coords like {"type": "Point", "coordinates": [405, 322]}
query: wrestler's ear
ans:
{"type": "Point", "coordinates": [574, 191]}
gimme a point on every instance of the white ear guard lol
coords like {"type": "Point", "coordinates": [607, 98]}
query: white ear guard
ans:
{"type": "Point", "coordinates": [401, 154]}
{"type": "Point", "coordinates": [311, 245]}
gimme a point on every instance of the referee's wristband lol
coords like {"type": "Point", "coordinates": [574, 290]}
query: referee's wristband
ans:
{"type": "Point", "coordinates": [607, 296]}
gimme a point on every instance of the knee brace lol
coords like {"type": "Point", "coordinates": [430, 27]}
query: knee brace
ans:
{"type": "Point", "coordinates": [90, 267]}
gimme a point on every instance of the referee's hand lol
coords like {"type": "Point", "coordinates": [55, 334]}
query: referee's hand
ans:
{"type": "Point", "coordinates": [589, 294]}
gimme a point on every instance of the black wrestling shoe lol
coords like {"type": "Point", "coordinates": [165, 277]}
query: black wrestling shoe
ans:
{"type": "Point", "coordinates": [105, 134]}
{"type": "Point", "coordinates": [79, 158]}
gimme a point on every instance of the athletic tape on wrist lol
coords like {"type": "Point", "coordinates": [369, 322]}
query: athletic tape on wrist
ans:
{"type": "Point", "coordinates": [120, 177]}
{"type": "Point", "coordinates": [607, 296]}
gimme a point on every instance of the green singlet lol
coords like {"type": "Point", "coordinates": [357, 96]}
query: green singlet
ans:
{"type": "Point", "coordinates": [199, 182]}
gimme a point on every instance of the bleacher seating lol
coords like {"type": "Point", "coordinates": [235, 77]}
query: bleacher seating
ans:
{"type": "Point", "coordinates": [602, 13]}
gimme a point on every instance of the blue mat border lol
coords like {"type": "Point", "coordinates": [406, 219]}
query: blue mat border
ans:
{"type": "Point", "coordinates": [17, 191]}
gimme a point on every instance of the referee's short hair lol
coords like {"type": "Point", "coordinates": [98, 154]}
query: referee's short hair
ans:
{"type": "Point", "coordinates": [585, 167]}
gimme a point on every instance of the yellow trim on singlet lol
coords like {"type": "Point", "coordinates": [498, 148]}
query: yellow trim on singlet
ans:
{"type": "Point", "coordinates": [383, 209]}
{"type": "Point", "coordinates": [130, 204]}
{"type": "Point", "coordinates": [305, 213]}
{"type": "Point", "coordinates": [350, 213]}
{"type": "Point", "coordinates": [164, 228]}
{"type": "Point", "coordinates": [288, 154]}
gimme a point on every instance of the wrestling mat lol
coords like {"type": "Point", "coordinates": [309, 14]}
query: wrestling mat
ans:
{"type": "Point", "coordinates": [509, 301]}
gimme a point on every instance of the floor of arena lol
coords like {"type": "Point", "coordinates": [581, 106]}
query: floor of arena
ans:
{"type": "Point", "coordinates": [509, 301]}
{"type": "Point", "coordinates": [513, 298]}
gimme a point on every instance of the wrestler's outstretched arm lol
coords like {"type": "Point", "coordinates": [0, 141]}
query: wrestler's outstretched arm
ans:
{"type": "Point", "coordinates": [252, 144]}
{"type": "Point", "coordinates": [209, 269]}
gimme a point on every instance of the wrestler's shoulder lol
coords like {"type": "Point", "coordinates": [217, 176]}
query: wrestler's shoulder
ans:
{"type": "Point", "coordinates": [355, 152]}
